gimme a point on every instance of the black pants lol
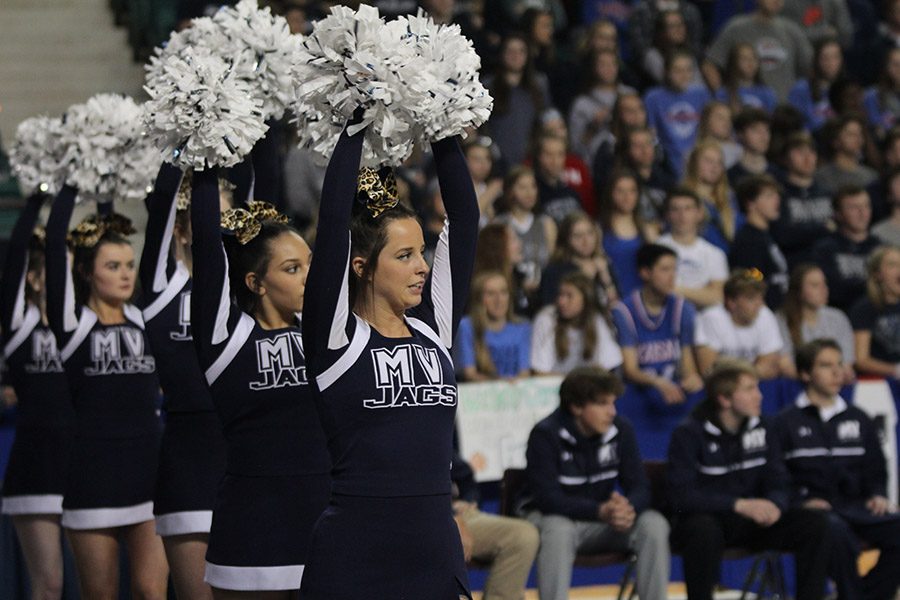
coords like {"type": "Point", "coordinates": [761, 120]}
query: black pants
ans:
{"type": "Point", "coordinates": [702, 538]}
{"type": "Point", "coordinates": [882, 581]}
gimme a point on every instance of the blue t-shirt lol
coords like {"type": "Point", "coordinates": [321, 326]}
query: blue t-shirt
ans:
{"type": "Point", "coordinates": [622, 255]}
{"type": "Point", "coordinates": [880, 117]}
{"type": "Point", "coordinates": [658, 339]}
{"type": "Point", "coordinates": [675, 116]}
{"type": "Point", "coordinates": [510, 347]}
{"type": "Point", "coordinates": [713, 231]}
{"type": "Point", "coordinates": [814, 113]}
{"type": "Point", "coordinates": [756, 96]}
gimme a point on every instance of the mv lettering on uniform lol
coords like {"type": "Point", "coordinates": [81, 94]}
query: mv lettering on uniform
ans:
{"type": "Point", "coordinates": [183, 333]}
{"type": "Point", "coordinates": [395, 377]}
{"type": "Point", "coordinates": [275, 362]}
{"type": "Point", "coordinates": [119, 350]}
{"type": "Point", "coordinates": [44, 354]}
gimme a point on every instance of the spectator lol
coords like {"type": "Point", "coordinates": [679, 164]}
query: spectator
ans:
{"type": "Point", "coordinates": [637, 152]}
{"type": "Point", "coordinates": [674, 109]}
{"type": "Point", "coordinates": [628, 113]}
{"type": "Point", "coordinates": [589, 118]}
{"type": "Point", "coordinates": [645, 17]}
{"type": "Point", "coordinates": [492, 343]}
{"type": "Point", "coordinates": [843, 254]}
{"type": "Point", "coordinates": [882, 102]}
{"type": "Point", "coordinates": [786, 121]}
{"type": "Point", "coordinates": [520, 94]}
{"type": "Point", "coordinates": [844, 140]}
{"type": "Point", "coordinates": [834, 456]}
{"type": "Point", "coordinates": [557, 199]}
{"type": "Point", "coordinates": [536, 232]}
{"type": "Point", "coordinates": [782, 47]}
{"type": "Point", "coordinates": [576, 173]}
{"type": "Point", "coordinates": [806, 316]}
{"type": "Point", "coordinates": [671, 35]}
{"type": "Point", "coordinates": [603, 35]}
{"type": "Point", "coordinates": [728, 486]}
{"type": "Point", "coordinates": [499, 249]}
{"type": "Point", "coordinates": [574, 332]}
{"type": "Point", "coordinates": [806, 214]}
{"type": "Point", "coordinates": [743, 327]}
{"type": "Point", "coordinates": [754, 247]}
{"type": "Point", "coordinates": [888, 230]}
{"type": "Point", "coordinates": [507, 543]}
{"type": "Point", "coordinates": [753, 128]}
{"type": "Point", "coordinates": [822, 19]}
{"type": "Point", "coordinates": [876, 316]}
{"type": "Point", "coordinates": [537, 24]}
{"type": "Point", "coordinates": [702, 268]}
{"type": "Point", "coordinates": [810, 96]}
{"type": "Point", "coordinates": [489, 187]}
{"type": "Point", "coordinates": [742, 82]}
{"type": "Point", "coordinates": [715, 124]}
{"type": "Point", "coordinates": [579, 247]}
{"type": "Point", "coordinates": [587, 488]}
{"type": "Point", "coordinates": [623, 229]}
{"type": "Point", "coordinates": [656, 330]}
{"type": "Point", "coordinates": [706, 177]}
{"type": "Point", "coordinates": [512, 11]}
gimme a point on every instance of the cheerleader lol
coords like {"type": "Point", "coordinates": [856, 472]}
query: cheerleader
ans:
{"type": "Point", "coordinates": [277, 478]}
{"type": "Point", "coordinates": [35, 477]}
{"type": "Point", "coordinates": [378, 333]}
{"type": "Point", "coordinates": [192, 456]}
{"type": "Point", "coordinates": [114, 388]}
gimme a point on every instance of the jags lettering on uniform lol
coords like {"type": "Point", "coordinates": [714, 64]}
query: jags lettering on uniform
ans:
{"type": "Point", "coordinates": [44, 354]}
{"type": "Point", "coordinates": [608, 454]}
{"type": "Point", "coordinates": [754, 440]}
{"type": "Point", "coordinates": [275, 362]}
{"type": "Point", "coordinates": [848, 430]}
{"type": "Point", "coordinates": [183, 333]}
{"type": "Point", "coordinates": [119, 351]}
{"type": "Point", "coordinates": [395, 376]}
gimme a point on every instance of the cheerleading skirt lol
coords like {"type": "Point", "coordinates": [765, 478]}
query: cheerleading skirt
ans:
{"type": "Point", "coordinates": [400, 548]}
{"type": "Point", "coordinates": [261, 528]}
{"type": "Point", "coordinates": [35, 477]}
{"type": "Point", "coordinates": [191, 465]}
{"type": "Point", "coordinates": [111, 481]}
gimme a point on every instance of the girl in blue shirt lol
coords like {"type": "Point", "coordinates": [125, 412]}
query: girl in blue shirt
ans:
{"type": "Point", "coordinates": [882, 101]}
{"type": "Point", "coordinates": [624, 231]}
{"type": "Point", "coordinates": [811, 96]}
{"type": "Point", "coordinates": [742, 83]}
{"type": "Point", "coordinates": [707, 178]}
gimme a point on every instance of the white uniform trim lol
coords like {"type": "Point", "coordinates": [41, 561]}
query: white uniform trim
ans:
{"type": "Point", "coordinates": [133, 313]}
{"type": "Point", "coordinates": [220, 329]}
{"type": "Point", "coordinates": [601, 476]}
{"type": "Point", "coordinates": [357, 345]}
{"type": "Point", "coordinates": [100, 518]}
{"type": "Point", "coordinates": [254, 579]}
{"type": "Point", "coordinates": [85, 324]}
{"type": "Point", "coordinates": [159, 277]}
{"type": "Point", "coordinates": [337, 335]}
{"type": "Point", "coordinates": [242, 331]}
{"type": "Point", "coordinates": [179, 278]}
{"type": "Point", "coordinates": [19, 308]}
{"type": "Point", "coordinates": [39, 504]}
{"type": "Point", "coordinates": [26, 326]}
{"type": "Point", "coordinates": [811, 452]}
{"type": "Point", "coordinates": [442, 287]}
{"type": "Point", "coordinates": [423, 328]}
{"type": "Point", "coordinates": [70, 321]}
{"type": "Point", "coordinates": [741, 466]}
{"type": "Point", "coordinates": [182, 523]}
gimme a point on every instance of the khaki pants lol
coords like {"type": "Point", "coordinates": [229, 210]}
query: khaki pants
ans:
{"type": "Point", "coordinates": [509, 544]}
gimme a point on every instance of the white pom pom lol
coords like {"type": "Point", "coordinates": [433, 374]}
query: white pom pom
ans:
{"type": "Point", "coordinates": [140, 163]}
{"type": "Point", "coordinates": [200, 113]}
{"type": "Point", "coordinates": [353, 59]}
{"type": "Point", "coordinates": [36, 155]}
{"type": "Point", "coordinates": [458, 99]}
{"type": "Point", "coordinates": [265, 49]}
{"type": "Point", "coordinates": [97, 137]}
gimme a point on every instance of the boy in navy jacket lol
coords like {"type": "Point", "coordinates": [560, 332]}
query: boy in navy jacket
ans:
{"type": "Point", "coordinates": [587, 491]}
{"type": "Point", "coordinates": [837, 466]}
{"type": "Point", "coordinates": [729, 487]}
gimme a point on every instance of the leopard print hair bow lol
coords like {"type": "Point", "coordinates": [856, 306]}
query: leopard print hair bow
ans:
{"type": "Point", "coordinates": [92, 229]}
{"type": "Point", "coordinates": [377, 189]}
{"type": "Point", "coordinates": [245, 223]}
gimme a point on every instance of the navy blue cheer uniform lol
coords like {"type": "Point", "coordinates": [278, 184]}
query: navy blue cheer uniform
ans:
{"type": "Point", "coordinates": [709, 470]}
{"type": "Point", "coordinates": [834, 454]}
{"type": "Point", "coordinates": [388, 406]}
{"type": "Point", "coordinates": [35, 476]}
{"type": "Point", "coordinates": [114, 387]}
{"type": "Point", "coordinates": [277, 480]}
{"type": "Point", "coordinates": [192, 456]}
